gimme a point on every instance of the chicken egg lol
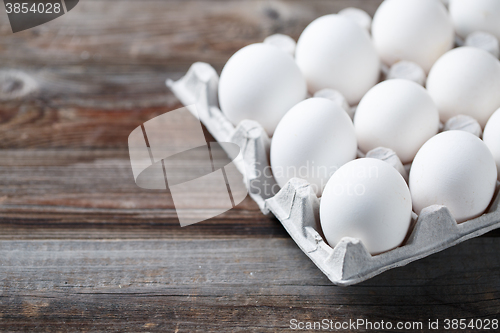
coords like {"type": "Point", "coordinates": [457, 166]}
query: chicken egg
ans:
{"type": "Point", "coordinates": [491, 137]}
{"type": "Point", "coordinates": [366, 199]}
{"type": "Point", "coordinates": [313, 140]}
{"type": "Point", "coordinates": [414, 30]}
{"type": "Point", "coordinates": [359, 16]}
{"type": "Point", "coordinates": [466, 81]}
{"type": "Point", "coordinates": [260, 82]}
{"type": "Point", "coordinates": [397, 114]}
{"type": "Point", "coordinates": [454, 169]}
{"type": "Point", "coordinates": [477, 15]}
{"type": "Point", "coordinates": [335, 52]}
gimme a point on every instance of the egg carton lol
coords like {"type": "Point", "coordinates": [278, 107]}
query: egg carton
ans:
{"type": "Point", "coordinates": [297, 207]}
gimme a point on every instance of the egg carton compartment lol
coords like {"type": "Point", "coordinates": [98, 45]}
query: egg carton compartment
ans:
{"type": "Point", "coordinates": [297, 207]}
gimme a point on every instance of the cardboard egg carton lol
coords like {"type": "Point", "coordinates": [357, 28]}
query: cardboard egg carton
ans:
{"type": "Point", "coordinates": [297, 207]}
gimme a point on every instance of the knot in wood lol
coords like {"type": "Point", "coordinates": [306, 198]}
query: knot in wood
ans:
{"type": "Point", "coordinates": [15, 84]}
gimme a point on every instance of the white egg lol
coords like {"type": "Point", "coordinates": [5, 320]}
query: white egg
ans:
{"type": "Point", "coordinates": [313, 140]}
{"type": "Point", "coordinates": [260, 82]}
{"type": "Point", "coordinates": [284, 42]}
{"type": "Point", "coordinates": [477, 15]}
{"type": "Point", "coordinates": [465, 81]}
{"type": "Point", "coordinates": [359, 16]}
{"type": "Point", "coordinates": [491, 137]}
{"type": "Point", "coordinates": [396, 114]}
{"type": "Point", "coordinates": [336, 97]}
{"type": "Point", "coordinates": [414, 30]}
{"type": "Point", "coordinates": [334, 52]}
{"type": "Point", "coordinates": [369, 200]}
{"type": "Point", "coordinates": [454, 169]}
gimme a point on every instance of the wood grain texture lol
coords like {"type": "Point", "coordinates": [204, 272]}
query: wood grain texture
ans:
{"type": "Point", "coordinates": [166, 33]}
{"type": "Point", "coordinates": [84, 249]}
{"type": "Point", "coordinates": [230, 285]}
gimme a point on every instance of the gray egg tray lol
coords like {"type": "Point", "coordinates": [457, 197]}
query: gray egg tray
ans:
{"type": "Point", "coordinates": [297, 207]}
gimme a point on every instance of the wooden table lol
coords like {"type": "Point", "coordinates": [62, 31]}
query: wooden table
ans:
{"type": "Point", "coordinates": [82, 248]}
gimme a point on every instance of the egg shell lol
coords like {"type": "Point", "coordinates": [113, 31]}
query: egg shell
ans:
{"type": "Point", "coordinates": [414, 30]}
{"type": "Point", "coordinates": [260, 82]}
{"type": "Point", "coordinates": [396, 114]}
{"type": "Point", "coordinates": [283, 42]}
{"type": "Point", "coordinates": [491, 137]}
{"type": "Point", "coordinates": [465, 81]}
{"type": "Point", "coordinates": [477, 15]}
{"type": "Point", "coordinates": [359, 16]}
{"type": "Point", "coordinates": [334, 52]}
{"type": "Point", "coordinates": [369, 200]}
{"type": "Point", "coordinates": [313, 140]}
{"type": "Point", "coordinates": [336, 97]}
{"type": "Point", "coordinates": [454, 169]}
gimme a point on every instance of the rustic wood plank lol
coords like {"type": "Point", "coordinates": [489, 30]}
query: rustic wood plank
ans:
{"type": "Point", "coordinates": [45, 123]}
{"type": "Point", "coordinates": [206, 285]}
{"type": "Point", "coordinates": [62, 193]}
{"type": "Point", "coordinates": [165, 33]}
{"type": "Point", "coordinates": [89, 61]}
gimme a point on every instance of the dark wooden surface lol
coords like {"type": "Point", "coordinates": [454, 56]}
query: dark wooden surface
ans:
{"type": "Point", "coordinates": [83, 249]}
